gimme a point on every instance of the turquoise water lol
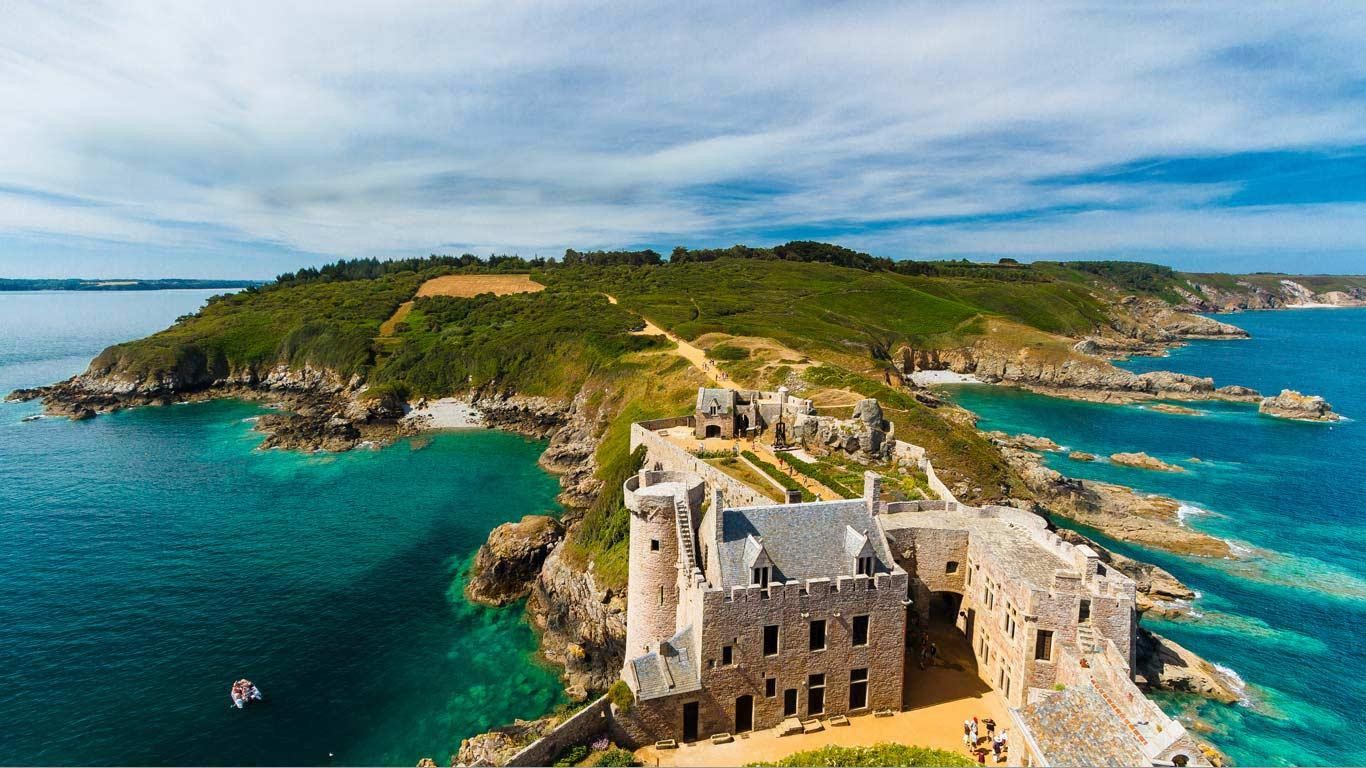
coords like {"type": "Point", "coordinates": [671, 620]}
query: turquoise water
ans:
{"type": "Point", "coordinates": [151, 557]}
{"type": "Point", "coordinates": [1289, 618]}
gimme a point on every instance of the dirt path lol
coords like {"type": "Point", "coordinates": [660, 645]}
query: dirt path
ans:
{"type": "Point", "coordinates": [687, 351]}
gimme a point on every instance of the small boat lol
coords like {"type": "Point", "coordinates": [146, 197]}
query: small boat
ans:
{"type": "Point", "coordinates": [244, 693]}
{"type": "Point", "coordinates": [34, 417]}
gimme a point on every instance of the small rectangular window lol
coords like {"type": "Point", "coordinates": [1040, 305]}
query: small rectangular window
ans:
{"type": "Point", "coordinates": [654, 545]}
{"type": "Point", "coordinates": [951, 566]}
{"type": "Point", "coordinates": [771, 687]}
{"type": "Point", "coordinates": [1043, 645]}
{"type": "Point", "coordinates": [865, 566]}
{"type": "Point", "coordinates": [859, 631]}
{"type": "Point", "coordinates": [818, 634]}
{"type": "Point", "coordinates": [727, 655]}
{"type": "Point", "coordinates": [1084, 612]}
{"type": "Point", "coordinates": [771, 640]}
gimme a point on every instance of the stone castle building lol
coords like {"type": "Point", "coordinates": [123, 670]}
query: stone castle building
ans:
{"type": "Point", "coordinates": [731, 413]}
{"type": "Point", "coordinates": [740, 617]}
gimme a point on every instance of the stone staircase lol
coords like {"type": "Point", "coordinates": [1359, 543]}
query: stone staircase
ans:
{"type": "Point", "coordinates": [687, 544]}
{"type": "Point", "coordinates": [1087, 639]}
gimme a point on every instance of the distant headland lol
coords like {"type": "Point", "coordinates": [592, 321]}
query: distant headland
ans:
{"type": "Point", "coordinates": [118, 284]}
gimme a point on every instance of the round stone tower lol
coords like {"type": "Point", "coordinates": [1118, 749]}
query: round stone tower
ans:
{"type": "Point", "coordinates": [652, 585]}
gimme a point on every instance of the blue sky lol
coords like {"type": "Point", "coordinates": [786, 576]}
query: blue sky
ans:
{"type": "Point", "coordinates": [244, 139]}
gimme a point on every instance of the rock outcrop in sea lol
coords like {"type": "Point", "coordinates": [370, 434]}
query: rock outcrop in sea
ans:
{"type": "Point", "coordinates": [1290, 404]}
{"type": "Point", "coordinates": [1142, 460]}
{"type": "Point", "coordinates": [1167, 665]}
{"type": "Point", "coordinates": [510, 560]}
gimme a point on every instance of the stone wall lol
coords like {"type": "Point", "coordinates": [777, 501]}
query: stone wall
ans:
{"type": "Point", "coordinates": [737, 618]}
{"type": "Point", "coordinates": [580, 728]}
{"type": "Point", "coordinates": [672, 457]}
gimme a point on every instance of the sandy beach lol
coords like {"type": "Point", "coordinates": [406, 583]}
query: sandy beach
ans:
{"type": "Point", "coordinates": [446, 413]}
{"type": "Point", "coordinates": [930, 378]}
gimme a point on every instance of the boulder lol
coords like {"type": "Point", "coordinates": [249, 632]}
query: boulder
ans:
{"type": "Point", "coordinates": [1290, 404]}
{"type": "Point", "coordinates": [1081, 456]}
{"type": "Point", "coordinates": [510, 560]}
{"type": "Point", "coordinates": [1024, 441]}
{"type": "Point", "coordinates": [1235, 391]}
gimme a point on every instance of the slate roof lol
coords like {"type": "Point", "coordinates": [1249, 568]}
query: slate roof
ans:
{"type": "Point", "coordinates": [803, 541]}
{"type": "Point", "coordinates": [672, 671]}
{"type": "Point", "coordinates": [726, 397]}
{"type": "Point", "coordinates": [1076, 727]}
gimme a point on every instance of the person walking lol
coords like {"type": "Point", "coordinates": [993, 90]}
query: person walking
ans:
{"type": "Point", "coordinates": [991, 727]}
{"type": "Point", "coordinates": [972, 732]}
{"type": "Point", "coordinates": [967, 733]}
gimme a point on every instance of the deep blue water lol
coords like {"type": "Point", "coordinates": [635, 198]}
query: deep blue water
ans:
{"type": "Point", "coordinates": [151, 557]}
{"type": "Point", "coordinates": [1290, 618]}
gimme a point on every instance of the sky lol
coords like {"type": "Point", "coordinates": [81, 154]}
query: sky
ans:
{"type": "Point", "coordinates": [240, 140]}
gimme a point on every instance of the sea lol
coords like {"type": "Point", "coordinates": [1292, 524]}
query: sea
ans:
{"type": "Point", "coordinates": [1287, 617]}
{"type": "Point", "coordinates": [151, 557]}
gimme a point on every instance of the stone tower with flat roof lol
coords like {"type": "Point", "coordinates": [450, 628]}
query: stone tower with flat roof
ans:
{"type": "Point", "coordinates": [655, 501]}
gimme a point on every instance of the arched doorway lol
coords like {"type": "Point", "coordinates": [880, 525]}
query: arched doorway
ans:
{"type": "Point", "coordinates": [744, 714]}
{"type": "Point", "coordinates": [713, 430]}
{"type": "Point", "coordinates": [940, 663]}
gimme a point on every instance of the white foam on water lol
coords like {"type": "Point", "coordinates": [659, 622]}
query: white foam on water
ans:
{"type": "Point", "coordinates": [1239, 684]}
{"type": "Point", "coordinates": [1184, 511]}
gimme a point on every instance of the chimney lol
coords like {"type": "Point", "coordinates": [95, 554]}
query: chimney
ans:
{"type": "Point", "coordinates": [872, 491]}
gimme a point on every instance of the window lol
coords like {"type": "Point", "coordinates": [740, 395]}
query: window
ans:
{"type": "Point", "coordinates": [654, 545]}
{"type": "Point", "coordinates": [860, 630]}
{"type": "Point", "coordinates": [951, 566]}
{"type": "Point", "coordinates": [818, 634]}
{"type": "Point", "coordinates": [771, 687]}
{"type": "Point", "coordinates": [858, 688]}
{"type": "Point", "coordinates": [865, 566]}
{"type": "Point", "coordinates": [815, 694]}
{"type": "Point", "coordinates": [771, 640]}
{"type": "Point", "coordinates": [727, 655]}
{"type": "Point", "coordinates": [968, 577]}
{"type": "Point", "coordinates": [661, 594]}
{"type": "Point", "coordinates": [759, 578]}
{"type": "Point", "coordinates": [1043, 645]}
{"type": "Point", "coordinates": [1084, 612]}
{"type": "Point", "coordinates": [1009, 625]}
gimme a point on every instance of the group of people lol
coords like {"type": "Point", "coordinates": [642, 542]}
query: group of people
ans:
{"type": "Point", "coordinates": [928, 650]}
{"type": "Point", "coordinates": [997, 742]}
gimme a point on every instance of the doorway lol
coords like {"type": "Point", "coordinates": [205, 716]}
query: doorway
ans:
{"type": "Point", "coordinates": [744, 713]}
{"type": "Point", "coordinates": [690, 721]}
{"type": "Point", "coordinates": [790, 702]}
{"type": "Point", "coordinates": [713, 430]}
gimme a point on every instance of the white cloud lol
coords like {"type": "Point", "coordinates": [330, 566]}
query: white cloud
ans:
{"type": "Point", "coordinates": [389, 129]}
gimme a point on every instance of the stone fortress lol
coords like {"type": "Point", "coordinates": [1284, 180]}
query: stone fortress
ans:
{"type": "Point", "coordinates": [745, 614]}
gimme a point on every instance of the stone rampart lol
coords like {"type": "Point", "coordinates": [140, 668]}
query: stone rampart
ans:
{"type": "Point", "coordinates": [672, 457]}
{"type": "Point", "coordinates": [580, 728]}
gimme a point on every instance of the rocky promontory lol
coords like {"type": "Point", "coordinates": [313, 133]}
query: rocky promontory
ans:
{"type": "Point", "coordinates": [1118, 512]}
{"type": "Point", "coordinates": [1166, 665]}
{"type": "Point", "coordinates": [510, 560]}
{"type": "Point", "coordinates": [1290, 404]}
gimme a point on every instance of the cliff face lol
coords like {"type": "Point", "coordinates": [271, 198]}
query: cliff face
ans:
{"type": "Point", "coordinates": [583, 626]}
{"type": "Point", "coordinates": [1206, 297]}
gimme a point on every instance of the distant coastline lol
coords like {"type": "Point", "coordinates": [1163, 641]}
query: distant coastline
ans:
{"type": "Point", "coordinates": [119, 284]}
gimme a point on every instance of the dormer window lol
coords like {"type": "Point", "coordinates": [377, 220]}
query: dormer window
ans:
{"type": "Point", "coordinates": [759, 578]}
{"type": "Point", "coordinates": [865, 566]}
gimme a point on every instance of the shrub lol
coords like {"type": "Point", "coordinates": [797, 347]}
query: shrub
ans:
{"type": "Point", "coordinates": [878, 754]}
{"type": "Point", "coordinates": [572, 756]}
{"type": "Point", "coordinates": [616, 756]}
{"type": "Point", "coordinates": [621, 696]}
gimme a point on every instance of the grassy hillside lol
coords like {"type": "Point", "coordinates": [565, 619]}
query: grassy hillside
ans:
{"type": "Point", "coordinates": [813, 307]}
{"type": "Point", "coordinates": [322, 324]}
